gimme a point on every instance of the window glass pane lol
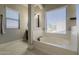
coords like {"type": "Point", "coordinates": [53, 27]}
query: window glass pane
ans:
{"type": "Point", "coordinates": [77, 12]}
{"type": "Point", "coordinates": [12, 18]}
{"type": "Point", "coordinates": [10, 13]}
{"type": "Point", "coordinates": [11, 23]}
{"type": "Point", "coordinates": [56, 20]}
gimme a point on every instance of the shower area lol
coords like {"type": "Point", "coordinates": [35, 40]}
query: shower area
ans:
{"type": "Point", "coordinates": [58, 35]}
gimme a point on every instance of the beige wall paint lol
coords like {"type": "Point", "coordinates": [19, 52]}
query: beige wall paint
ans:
{"type": "Point", "coordinates": [14, 34]}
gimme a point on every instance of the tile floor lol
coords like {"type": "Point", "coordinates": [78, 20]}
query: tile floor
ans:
{"type": "Point", "coordinates": [18, 47]}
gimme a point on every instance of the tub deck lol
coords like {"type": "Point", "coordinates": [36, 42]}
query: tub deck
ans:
{"type": "Point", "coordinates": [55, 47]}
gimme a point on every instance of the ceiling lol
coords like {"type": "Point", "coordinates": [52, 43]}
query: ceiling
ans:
{"type": "Point", "coordinates": [52, 6]}
{"type": "Point", "coordinates": [26, 5]}
{"type": "Point", "coordinates": [49, 6]}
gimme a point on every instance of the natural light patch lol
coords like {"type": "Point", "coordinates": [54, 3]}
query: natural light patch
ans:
{"type": "Point", "coordinates": [12, 18]}
{"type": "Point", "coordinates": [56, 21]}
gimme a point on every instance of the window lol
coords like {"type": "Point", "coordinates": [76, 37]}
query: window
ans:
{"type": "Point", "coordinates": [12, 18]}
{"type": "Point", "coordinates": [77, 14]}
{"type": "Point", "coordinates": [56, 21]}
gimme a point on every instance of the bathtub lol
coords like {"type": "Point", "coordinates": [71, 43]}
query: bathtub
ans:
{"type": "Point", "coordinates": [54, 46]}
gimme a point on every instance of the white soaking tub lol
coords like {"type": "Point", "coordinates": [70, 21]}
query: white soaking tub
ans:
{"type": "Point", "coordinates": [55, 46]}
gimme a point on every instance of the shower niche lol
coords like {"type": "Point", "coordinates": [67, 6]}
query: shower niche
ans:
{"type": "Point", "coordinates": [37, 16]}
{"type": "Point", "coordinates": [37, 22]}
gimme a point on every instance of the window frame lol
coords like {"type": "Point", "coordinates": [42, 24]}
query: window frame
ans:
{"type": "Point", "coordinates": [12, 19]}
